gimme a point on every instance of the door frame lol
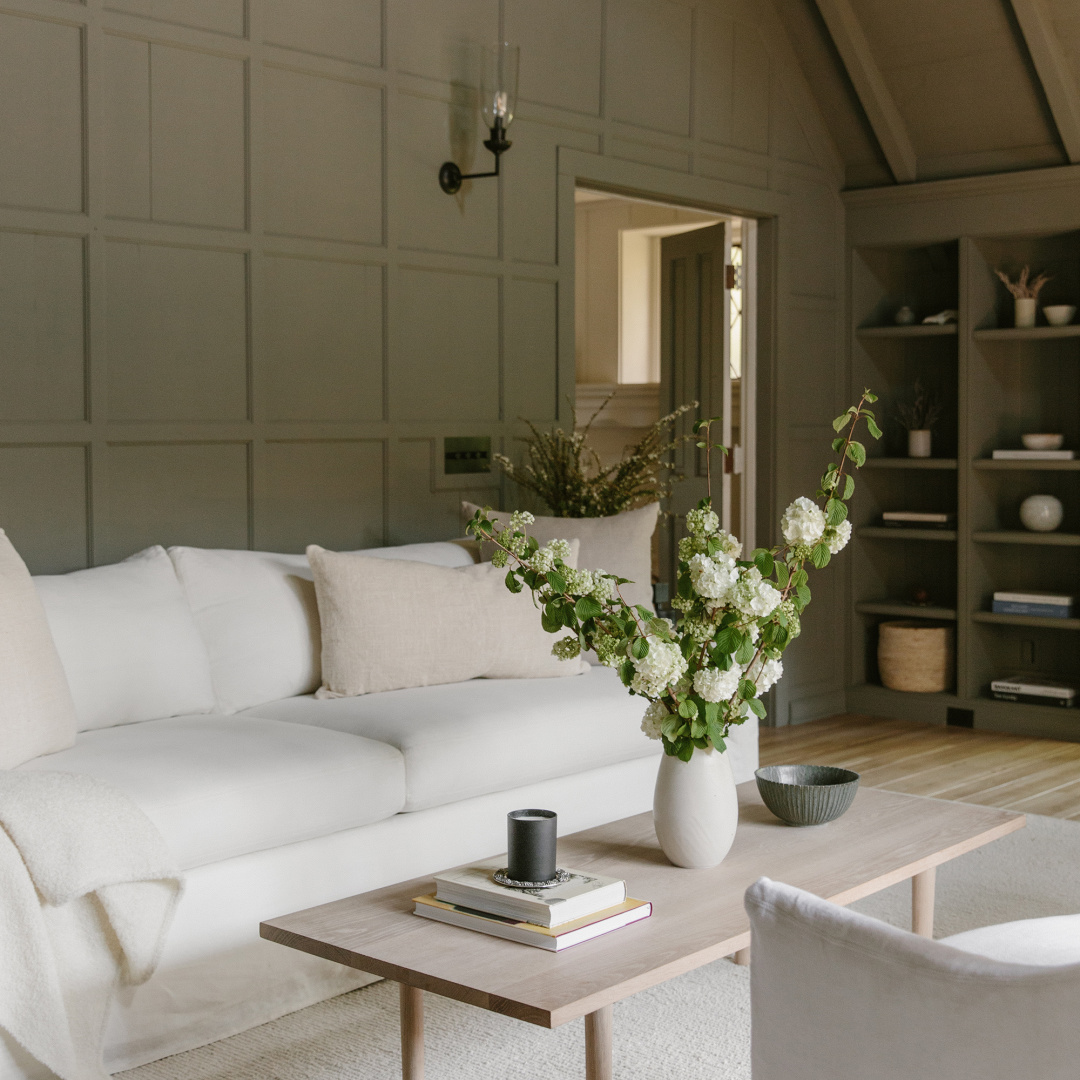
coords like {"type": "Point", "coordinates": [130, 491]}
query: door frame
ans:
{"type": "Point", "coordinates": [761, 209]}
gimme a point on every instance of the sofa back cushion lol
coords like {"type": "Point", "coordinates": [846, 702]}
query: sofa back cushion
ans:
{"type": "Point", "coordinates": [36, 712]}
{"type": "Point", "coordinates": [257, 614]}
{"type": "Point", "coordinates": [127, 641]}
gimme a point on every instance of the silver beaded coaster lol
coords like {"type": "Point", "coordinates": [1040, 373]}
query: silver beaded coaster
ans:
{"type": "Point", "coordinates": [560, 878]}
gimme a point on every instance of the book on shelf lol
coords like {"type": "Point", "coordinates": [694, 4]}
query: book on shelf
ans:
{"type": "Point", "coordinates": [1034, 455]}
{"type": "Point", "coordinates": [552, 938]}
{"type": "Point", "coordinates": [584, 894]}
{"type": "Point", "coordinates": [1034, 690]}
{"type": "Point", "coordinates": [916, 519]}
{"type": "Point", "coordinates": [1040, 605]}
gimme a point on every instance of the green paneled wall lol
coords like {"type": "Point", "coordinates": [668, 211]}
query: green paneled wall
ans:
{"type": "Point", "coordinates": [236, 309]}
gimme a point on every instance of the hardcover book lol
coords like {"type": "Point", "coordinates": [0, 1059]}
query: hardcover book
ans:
{"type": "Point", "coordinates": [1042, 611]}
{"type": "Point", "coordinates": [1034, 690]}
{"type": "Point", "coordinates": [554, 939]}
{"type": "Point", "coordinates": [584, 894]}
{"type": "Point", "coordinates": [1034, 455]}
{"type": "Point", "coordinates": [908, 518]}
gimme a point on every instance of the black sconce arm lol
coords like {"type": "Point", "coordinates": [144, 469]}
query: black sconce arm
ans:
{"type": "Point", "coordinates": [451, 177]}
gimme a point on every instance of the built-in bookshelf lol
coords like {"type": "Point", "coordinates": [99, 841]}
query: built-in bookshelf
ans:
{"type": "Point", "coordinates": [995, 382]}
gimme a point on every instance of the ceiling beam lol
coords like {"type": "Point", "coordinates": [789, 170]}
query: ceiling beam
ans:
{"type": "Point", "coordinates": [1053, 70]}
{"type": "Point", "coordinates": [877, 102]}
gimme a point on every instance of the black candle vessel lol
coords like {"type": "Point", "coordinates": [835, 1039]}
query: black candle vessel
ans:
{"type": "Point", "coordinates": [530, 845]}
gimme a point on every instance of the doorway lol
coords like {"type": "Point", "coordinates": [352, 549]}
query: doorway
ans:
{"type": "Point", "coordinates": [664, 304]}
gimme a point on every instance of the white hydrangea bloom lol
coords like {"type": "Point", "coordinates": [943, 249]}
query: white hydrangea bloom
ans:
{"type": "Point", "coordinates": [765, 674]}
{"type": "Point", "coordinates": [713, 578]}
{"type": "Point", "coordinates": [520, 520]}
{"type": "Point", "coordinates": [838, 536]}
{"type": "Point", "coordinates": [702, 522]}
{"type": "Point", "coordinates": [541, 561]}
{"type": "Point", "coordinates": [566, 648]}
{"type": "Point", "coordinates": [499, 558]}
{"type": "Point", "coordinates": [579, 582]}
{"type": "Point", "coordinates": [715, 685]}
{"type": "Point", "coordinates": [655, 715]}
{"type": "Point", "coordinates": [803, 522]}
{"type": "Point", "coordinates": [560, 549]}
{"type": "Point", "coordinates": [753, 596]}
{"type": "Point", "coordinates": [603, 587]}
{"type": "Point", "coordinates": [661, 666]}
{"type": "Point", "coordinates": [689, 546]}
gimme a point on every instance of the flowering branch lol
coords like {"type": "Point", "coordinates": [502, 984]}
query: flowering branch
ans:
{"type": "Point", "coordinates": [737, 616]}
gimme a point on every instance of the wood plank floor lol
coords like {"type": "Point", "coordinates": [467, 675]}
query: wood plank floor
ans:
{"type": "Point", "coordinates": [1038, 776]}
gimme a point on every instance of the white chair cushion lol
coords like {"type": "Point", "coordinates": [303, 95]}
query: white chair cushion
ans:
{"type": "Point", "coordinates": [257, 614]}
{"type": "Point", "coordinates": [1051, 942]}
{"type": "Point", "coordinates": [218, 787]}
{"type": "Point", "coordinates": [128, 642]}
{"type": "Point", "coordinates": [485, 735]}
{"type": "Point", "coordinates": [37, 715]}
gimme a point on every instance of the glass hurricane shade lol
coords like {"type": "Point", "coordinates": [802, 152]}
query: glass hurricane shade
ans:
{"type": "Point", "coordinates": [499, 84]}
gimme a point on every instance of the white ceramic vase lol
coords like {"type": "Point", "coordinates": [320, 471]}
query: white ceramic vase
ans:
{"type": "Point", "coordinates": [918, 443]}
{"type": "Point", "coordinates": [695, 809]}
{"type": "Point", "coordinates": [1041, 513]}
{"type": "Point", "coordinates": [1025, 310]}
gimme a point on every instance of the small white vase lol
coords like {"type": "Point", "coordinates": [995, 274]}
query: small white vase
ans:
{"type": "Point", "coordinates": [696, 809]}
{"type": "Point", "coordinates": [918, 443]}
{"type": "Point", "coordinates": [1041, 513]}
{"type": "Point", "coordinates": [1025, 310]}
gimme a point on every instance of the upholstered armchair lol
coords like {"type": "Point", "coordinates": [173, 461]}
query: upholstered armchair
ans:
{"type": "Point", "coordinates": [840, 996]}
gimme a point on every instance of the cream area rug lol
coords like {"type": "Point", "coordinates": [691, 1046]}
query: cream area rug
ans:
{"type": "Point", "coordinates": [696, 1027]}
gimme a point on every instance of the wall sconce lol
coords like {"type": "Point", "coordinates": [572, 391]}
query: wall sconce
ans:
{"type": "Point", "coordinates": [498, 99]}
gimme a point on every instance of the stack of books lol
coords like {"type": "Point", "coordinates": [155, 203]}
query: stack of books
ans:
{"type": "Point", "coordinates": [577, 910]}
{"type": "Point", "coordinates": [912, 519]}
{"type": "Point", "coordinates": [1043, 605]}
{"type": "Point", "coordinates": [1034, 455]}
{"type": "Point", "coordinates": [1034, 690]}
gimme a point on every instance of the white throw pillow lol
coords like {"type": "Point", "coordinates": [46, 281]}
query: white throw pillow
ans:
{"type": "Point", "coordinates": [620, 545]}
{"type": "Point", "coordinates": [128, 642]}
{"type": "Point", "coordinates": [257, 614]}
{"type": "Point", "coordinates": [37, 715]}
{"type": "Point", "coordinates": [391, 624]}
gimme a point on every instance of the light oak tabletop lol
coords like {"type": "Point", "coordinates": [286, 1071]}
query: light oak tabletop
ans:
{"type": "Point", "coordinates": [698, 915]}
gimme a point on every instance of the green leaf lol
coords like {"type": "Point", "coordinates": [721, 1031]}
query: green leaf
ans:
{"type": "Point", "coordinates": [871, 426]}
{"type": "Point", "coordinates": [701, 445]}
{"type": "Point", "coordinates": [869, 396]}
{"type": "Point", "coordinates": [712, 712]}
{"type": "Point", "coordinates": [685, 753]}
{"type": "Point", "coordinates": [626, 672]}
{"type": "Point", "coordinates": [782, 575]}
{"type": "Point", "coordinates": [838, 445]}
{"type": "Point", "coordinates": [857, 452]}
{"type": "Point", "coordinates": [557, 582]}
{"type": "Point", "coordinates": [684, 588]}
{"type": "Point", "coordinates": [687, 709]}
{"type": "Point", "coordinates": [729, 639]}
{"type": "Point", "coordinates": [757, 708]}
{"type": "Point", "coordinates": [698, 728]}
{"type": "Point", "coordinates": [849, 487]}
{"type": "Point", "coordinates": [763, 560]}
{"type": "Point", "coordinates": [840, 422]}
{"type": "Point", "coordinates": [587, 608]}
{"type": "Point", "coordinates": [803, 593]}
{"type": "Point", "coordinates": [639, 648]}
{"type": "Point", "coordinates": [512, 582]}
{"type": "Point", "coordinates": [534, 544]}
{"type": "Point", "coordinates": [745, 653]}
{"type": "Point", "coordinates": [835, 511]}
{"type": "Point", "coordinates": [747, 689]}
{"type": "Point", "coordinates": [551, 621]}
{"type": "Point", "coordinates": [820, 556]}
{"type": "Point", "coordinates": [671, 726]}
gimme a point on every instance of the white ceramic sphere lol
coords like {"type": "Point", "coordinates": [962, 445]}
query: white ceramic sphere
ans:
{"type": "Point", "coordinates": [1041, 513]}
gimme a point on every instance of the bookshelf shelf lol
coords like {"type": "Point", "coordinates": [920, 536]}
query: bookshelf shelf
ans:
{"type": "Point", "coordinates": [1009, 465]}
{"type": "Point", "coordinates": [886, 532]}
{"type": "Point", "coordinates": [917, 331]}
{"type": "Point", "coordinates": [992, 617]}
{"type": "Point", "coordinates": [1034, 333]}
{"type": "Point", "coordinates": [1053, 539]}
{"type": "Point", "coordinates": [911, 463]}
{"type": "Point", "coordinates": [899, 609]}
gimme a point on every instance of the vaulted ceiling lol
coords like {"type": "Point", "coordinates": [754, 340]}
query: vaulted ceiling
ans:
{"type": "Point", "coordinates": [928, 89]}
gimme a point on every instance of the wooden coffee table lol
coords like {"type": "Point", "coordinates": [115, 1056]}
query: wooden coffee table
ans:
{"type": "Point", "coordinates": [698, 915]}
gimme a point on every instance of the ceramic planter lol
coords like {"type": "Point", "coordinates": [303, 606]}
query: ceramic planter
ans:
{"type": "Point", "coordinates": [918, 443]}
{"type": "Point", "coordinates": [1025, 310]}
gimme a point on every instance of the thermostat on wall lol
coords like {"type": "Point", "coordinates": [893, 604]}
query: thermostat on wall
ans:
{"type": "Point", "coordinates": [467, 455]}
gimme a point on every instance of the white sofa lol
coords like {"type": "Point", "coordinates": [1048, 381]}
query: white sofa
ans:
{"type": "Point", "coordinates": [192, 673]}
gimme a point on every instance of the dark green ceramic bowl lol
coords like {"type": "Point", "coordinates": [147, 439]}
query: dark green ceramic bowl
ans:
{"type": "Point", "coordinates": [807, 794]}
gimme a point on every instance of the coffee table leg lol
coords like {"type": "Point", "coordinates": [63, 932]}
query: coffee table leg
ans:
{"type": "Point", "coordinates": [598, 1044]}
{"type": "Point", "coordinates": [412, 1033]}
{"type": "Point", "coordinates": [922, 903]}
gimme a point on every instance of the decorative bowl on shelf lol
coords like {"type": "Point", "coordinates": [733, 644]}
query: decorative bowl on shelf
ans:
{"type": "Point", "coordinates": [1060, 314]}
{"type": "Point", "coordinates": [1042, 441]}
{"type": "Point", "coordinates": [807, 794]}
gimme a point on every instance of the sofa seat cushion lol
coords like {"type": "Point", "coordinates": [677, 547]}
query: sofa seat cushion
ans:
{"type": "Point", "coordinates": [1049, 942]}
{"type": "Point", "coordinates": [219, 787]}
{"type": "Point", "coordinates": [471, 738]}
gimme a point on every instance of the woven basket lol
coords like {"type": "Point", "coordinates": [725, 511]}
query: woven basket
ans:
{"type": "Point", "coordinates": [916, 656]}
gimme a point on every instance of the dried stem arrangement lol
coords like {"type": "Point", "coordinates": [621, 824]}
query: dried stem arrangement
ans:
{"type": "Point", "coordinates": [1023, 289]}
{"type": "Point", "coordinates": [923, 412]}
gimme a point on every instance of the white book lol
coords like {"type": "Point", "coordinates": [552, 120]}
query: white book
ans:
{"type": "Point", "coordinates": [1034, 686]}
{"type": "Point", "coordinates": [475, 887]}
{"type": "Point", "coordinates": [554, 939]}
{"type": "Point", "coordinates": [916, 517]}
{"type": "Point", "coordinates": [1034, 455]}
{"type": "Point", "coordinates": [1034, 598]}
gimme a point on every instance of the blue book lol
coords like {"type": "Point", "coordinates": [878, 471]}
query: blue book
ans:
{"type": "Point", "coordinates": [1043, 611]}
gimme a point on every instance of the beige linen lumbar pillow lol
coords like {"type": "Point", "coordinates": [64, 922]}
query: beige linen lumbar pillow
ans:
{"type": "Point", "coordinates": [37, 715]}
{"type": "Point", "coordinates": [620, 545]}
{"type": "Point", "coordinates": [388, 624]}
